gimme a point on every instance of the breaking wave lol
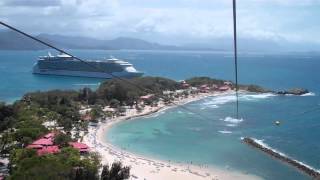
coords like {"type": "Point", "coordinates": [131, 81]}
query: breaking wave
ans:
{"type": "Point", "coordinates": [263, 144]}
{"type": "Point", "coordinates": [225, 132]}
{"type": "Point", "coordinates": [309, 94]}
{"type": "Point", "coordinates": [215, 101]}
{"type": "Point", "coordinates": [231, 125]}
{"type": "Point", "coordinates": [256, 96]}
{"type": "Point", "coordinates": [232, 120]}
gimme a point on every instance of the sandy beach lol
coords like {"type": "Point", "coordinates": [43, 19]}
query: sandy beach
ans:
{"type": "Point", "coordinates": [154, 169]}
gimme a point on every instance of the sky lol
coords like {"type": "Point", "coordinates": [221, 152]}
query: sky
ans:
{"type": "Point", "coordinates": [168, 21]}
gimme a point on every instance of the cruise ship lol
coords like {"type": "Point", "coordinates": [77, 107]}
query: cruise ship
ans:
{"type": "Point", "coordinates": [65, 65]}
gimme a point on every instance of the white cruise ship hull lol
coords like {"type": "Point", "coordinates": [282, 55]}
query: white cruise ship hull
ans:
{"type": "Point", "coordinates": [123, 74]}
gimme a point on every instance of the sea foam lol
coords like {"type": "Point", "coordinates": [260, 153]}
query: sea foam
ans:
{"type": "Point", "coordinates": [213, 102]}
{"type": "Point", "coordinates": [232, 120]}
{"type": "Point", "coordinates": [257, 96]}
{"type": "Point", "coordinates": [231, 125]}
{"type": "Point", "coordinates": [225, 132]}
{"type": "Point", "coordinates": [263, 144]}
{"type": "Point", "coordinates": [309, 94]}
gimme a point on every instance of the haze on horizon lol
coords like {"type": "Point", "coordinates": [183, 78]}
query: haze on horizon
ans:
{"type": "Point", "coordinates": [292, 24]}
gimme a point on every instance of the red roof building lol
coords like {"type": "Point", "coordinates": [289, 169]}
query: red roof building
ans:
{"type": "Point", "coordinates": [204, 86]}
{"type": "Point", "coordinates": [48, 150]}
{"type": "Point", "coordinates": [184, 84]}
{"type": "Point", "coordinates": [34, 146]}
{"type": "Point", "coordinates": [49, 135]}
{"type": "Point", "coordinates": [147, 97]}
{"type": "Point", "coordinates": [224, 88]}
{"type": "Point", "coordinates": [83, 148]}
{"type": "Point", "coordinates": [43, 142]}
{"type": "Point", "coordinates": [45, 145]}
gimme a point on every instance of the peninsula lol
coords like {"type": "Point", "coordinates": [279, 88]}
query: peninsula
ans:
{"type": "Point", "coordinates": [58, 126]}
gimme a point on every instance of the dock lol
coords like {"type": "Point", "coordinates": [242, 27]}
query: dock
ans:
{"type": "Point", "coordinates": [314, 173]}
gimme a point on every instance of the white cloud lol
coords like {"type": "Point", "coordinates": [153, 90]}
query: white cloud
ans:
{"type": "Point", "coordinates": [168, 21]}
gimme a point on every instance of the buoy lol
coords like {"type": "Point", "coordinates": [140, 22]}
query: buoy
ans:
{"type": "Point", "coordinates": [277, 123]}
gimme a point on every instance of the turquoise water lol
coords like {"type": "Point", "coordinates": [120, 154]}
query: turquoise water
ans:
{"type": "Point", "coordinates": [181, 136]}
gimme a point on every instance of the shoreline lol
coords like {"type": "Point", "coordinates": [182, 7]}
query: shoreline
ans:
{"type": "Point", "coordinates": [143, 167]}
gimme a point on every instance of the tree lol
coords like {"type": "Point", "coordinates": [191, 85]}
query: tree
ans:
{"type": "Point", "coordinates": [116, 172]}
{"type": "Point", "coordinates": [6, 119]}
{"type": "Point", "coordinates": [62, 140]}
{"type": "Point", "coordinates": [65, 165]}
{"type": "Point", "coordinates": [96, 112]}
{"type": "Point", "coordinates": [114, 103]}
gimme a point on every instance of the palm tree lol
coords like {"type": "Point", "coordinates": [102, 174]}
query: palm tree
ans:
{"type": "Point", "coordinates": [116, 172]}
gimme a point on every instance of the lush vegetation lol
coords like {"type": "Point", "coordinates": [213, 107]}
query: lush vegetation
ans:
{"type": "Point", "coordinates": [67, 164]}
{"type": "Point", "coordinates": [128, 92]}
{"type": "Point", "coordinates": [117, 172]}
{"type": "Point", "coordinates": [23, 122]}
{"type": "Point", "coordinates": [198, 81]}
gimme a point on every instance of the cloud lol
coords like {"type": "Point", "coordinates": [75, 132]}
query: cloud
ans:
{"type": "Point", "coordinates": [179, 21]}
{"type": "Point", "coordinates": [41, 3]}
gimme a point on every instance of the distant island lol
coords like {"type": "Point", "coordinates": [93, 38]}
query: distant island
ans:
{"type": "Point", "coordinates": [56, 131]}
{"type": "Point", "coordinates": [10, 40]}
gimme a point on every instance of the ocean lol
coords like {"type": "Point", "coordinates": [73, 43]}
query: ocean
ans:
{"type": "Point", "coordinates": [181, 136]}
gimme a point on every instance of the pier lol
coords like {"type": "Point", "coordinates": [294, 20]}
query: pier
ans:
{"type": "Point", "coordinates": [314, 173]}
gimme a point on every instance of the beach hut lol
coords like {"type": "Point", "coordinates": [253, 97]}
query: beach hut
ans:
{"type": "Point", "coordinates": [184, 85]}
{"type": "Point", "coordinates": [214, 87]}
{"type": "Point", "coordinates": [147, 99]}
{"type": "Point", "coordinates": [108, 109]}
{"type": "Point", "coordinates": [84, 111]}
{"type": "Point", "coordinates": [204, 88]}
{"type": "Point", "coordinates": [227, 83]}
{"type": "Point", "coordinates": [170, 93]}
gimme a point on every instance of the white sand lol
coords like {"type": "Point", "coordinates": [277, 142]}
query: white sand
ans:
{"type": "Point", "coordinates": [151, 169]}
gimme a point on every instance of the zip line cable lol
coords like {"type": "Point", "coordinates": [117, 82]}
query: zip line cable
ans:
{"type": "Point", "coordinates": [235, 55]}
{"type": "Point", "coordinates": [97, 68]}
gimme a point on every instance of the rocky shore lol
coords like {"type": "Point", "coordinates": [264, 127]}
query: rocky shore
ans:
{"type": "Point", "coordinates": [259, 89]}
{"type": "Point", "coordinates": [294, 91]}
{"type": "Point", "coordinates": [301, 166]}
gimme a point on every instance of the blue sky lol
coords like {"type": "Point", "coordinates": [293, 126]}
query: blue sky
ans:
{"type": "Point", "coordinates": [168, 21]}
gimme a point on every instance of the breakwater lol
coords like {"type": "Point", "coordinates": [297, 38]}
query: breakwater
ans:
{"type": "Point", "coordinates": [314, 173]}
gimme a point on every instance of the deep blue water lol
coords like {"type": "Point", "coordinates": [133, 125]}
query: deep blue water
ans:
{"type": "Point", "coordinates": [181, 136]}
